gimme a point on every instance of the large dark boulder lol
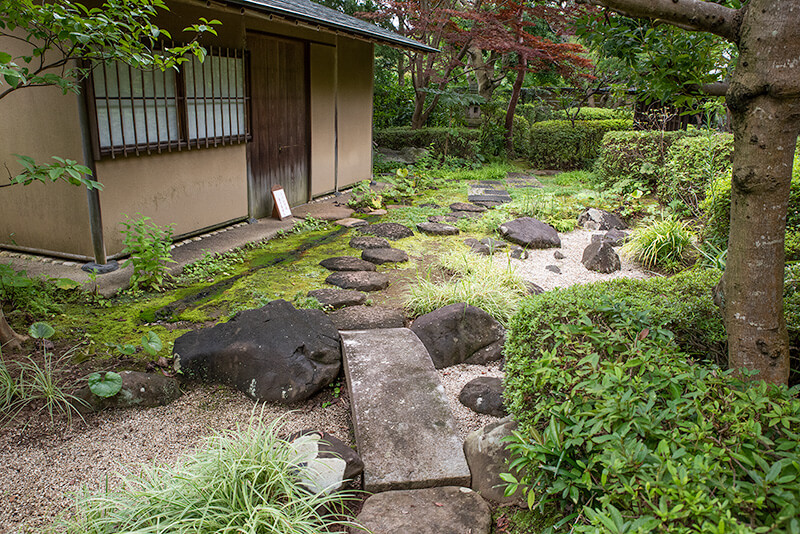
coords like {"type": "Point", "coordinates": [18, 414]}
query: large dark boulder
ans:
{"type": "Point", "coordinates": [275, 353]}
{"type": "Point", "coordinates": [600, 256]}
{"type": "Point", "coordinates": [460, 333]}
{"type": "Point", "coordinates": [392, 231]}
{"type": "Point", "coordinates": [530, 233]}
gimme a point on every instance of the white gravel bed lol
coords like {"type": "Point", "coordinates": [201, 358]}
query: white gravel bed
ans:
{"type": "Point", "coordinates": [534, 268]}
{"type": "Point", "coordinates": [39, 476]}
{"type": "Point", "coordinates": [453, 379]}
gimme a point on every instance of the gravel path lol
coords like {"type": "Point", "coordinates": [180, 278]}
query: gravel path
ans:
{"type": "Point", "coordinates": [40, 474]}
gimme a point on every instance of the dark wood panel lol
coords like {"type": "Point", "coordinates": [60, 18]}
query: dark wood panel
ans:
{"type": "Point", "coordinates": [279, 151]}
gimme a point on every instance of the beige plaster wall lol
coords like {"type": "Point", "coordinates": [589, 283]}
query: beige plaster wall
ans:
{"type": "Point", "coordinates": [41, 122]}
{"type": "Point", "coordinates": [323, 102]}
{"type": "Point", "coordinates": [192, 189]}
{"type": "Point", "coordinates": [354, 97]}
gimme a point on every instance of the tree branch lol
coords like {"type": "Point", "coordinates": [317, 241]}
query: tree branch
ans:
{"type": "Point", "coordinates": [695, 15]}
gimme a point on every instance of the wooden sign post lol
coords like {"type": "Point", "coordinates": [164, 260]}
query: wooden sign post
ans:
{"type": "Point", "coordinates": [280, 209]}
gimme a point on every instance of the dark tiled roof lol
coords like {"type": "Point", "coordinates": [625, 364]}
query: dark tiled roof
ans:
{"type": "Point", "coordinates": [313, 13]}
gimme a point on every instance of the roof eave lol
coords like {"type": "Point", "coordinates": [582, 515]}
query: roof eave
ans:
{"type": "Point", "coordinates": [293, 15]}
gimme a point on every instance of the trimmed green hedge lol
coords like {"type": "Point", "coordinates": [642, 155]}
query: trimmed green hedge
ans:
{"type": "Point", "coordinates": [593, 114]}
{"type": "Point", "coordinates": [560, 145]}
{"type": "Point", "coordinates": [692, 163]}
{"type": "Point", "coordinates": [633, 160]}
{"type": "Point", "coordinates": [462, 142]}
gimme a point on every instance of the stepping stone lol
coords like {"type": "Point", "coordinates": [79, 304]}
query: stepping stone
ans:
{"type": "Point", "coordinates": [494, 244]}
{"type": "Point", "coordinates": [338, 298]}
{"type": "Point", "coordinates": [393, 231]}
{"type": "Point", "coordinates": [443, 219]}
{"type": "Point", "coordinates": [484, 192]}
{"type": "Point", "coordinates": [378, 212]}
{"type": "Point", "coordinates": [364, 242]}
{"type": "Point", "coordinates": [531, 233]}
{"type": "Point", "coordinates": [347, 263]}
{"type": "Point", "coordinates": [433, 228]}
{"type": "Point", "coordinates": [489, 204]}
{"type": "Point", "coordinates": [463, 206]}
{"type": "Point", "coordinates": [520, 179]}
{"type": "Point", "coordinates": [466, 215]}
{"type": "Point", "coordinates": [405, 431]}
{"type": "Point", "coordinates": [384, 255]}
{"type": "Point", "coordinates": [359, 280]}
{"type": "Point", "coordinates": [367, 318]}
{"type": "Point", "coordinates": [484, 395]}
{"type": "Point", "coordinates": [351, 222]}
{"type": "Point", "coordinates": [477, 247]}
{"type": "Point", "coordinates": [430, 205]}
{"type": "Point", "coordinates": [447, 510]}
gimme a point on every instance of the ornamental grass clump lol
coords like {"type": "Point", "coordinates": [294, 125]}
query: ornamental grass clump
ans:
{"type": "Point", "coordinates": [623, 432]}
{"type": "Point", "coordinates": [243, 481]}
{"type": "Point", "coordinates": [661, 244]}
{"type": "Point", "coordinates": [489, 283]}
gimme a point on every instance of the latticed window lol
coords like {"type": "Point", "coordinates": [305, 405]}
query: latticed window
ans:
{"type": "Point", "coordinates": [198, 105]}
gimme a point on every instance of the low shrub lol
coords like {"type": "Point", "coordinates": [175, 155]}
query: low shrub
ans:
{"type": "Point", "coordinates": [716, 208]}
{"type": "Point", "coordinates": [633, 160]}
{"type": "Point", "coordinates": [592, 114]}
{"type": "Point", "coordinates": [560, 145]}
{"type": "Point", "coordinates": [663, 244]}
{"type": "Point", "coordinates": [247, 480]}
{"type": "Point", "coordinates": [622, 432]}
{"type": "Point", "coordinates": [459, 142]}
{"type": "Point", "coordinates": [690, 165]}
{"type": "Point", "coordinates": [681, 303]}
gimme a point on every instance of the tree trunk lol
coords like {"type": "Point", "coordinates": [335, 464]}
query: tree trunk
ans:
{"type": "Point", "coordinates": [765, 108]}
{"type": "Point", "coordinates": [512, 106]}
{"type": "Point", "coordinates": [8, 338]}
{"type": "Point", "coordinates": [764, 101]}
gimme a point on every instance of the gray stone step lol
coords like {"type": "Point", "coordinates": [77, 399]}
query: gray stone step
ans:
{"type": "Point", "coordinates": [405, 432]}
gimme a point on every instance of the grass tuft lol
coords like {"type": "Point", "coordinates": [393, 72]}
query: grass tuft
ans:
{"type": "Point", "coordinates": [247, 480]}
{"type": "Point", "coordinates": [664, 244]}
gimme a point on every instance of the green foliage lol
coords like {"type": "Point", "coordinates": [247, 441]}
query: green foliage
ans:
{"type": "Point", "coordinates": [63, 169]}
{"type": "Point", "coordinates": [148, 246]}
{"type": "Point", "coordinates": [624, 433]}
{"type": "Point", "coordinates": [681, 303]}
{"type": "Point", "coordinates": [560, 145]}
{"type": "Point", "coordinates": [245, 480]}
{"type": "Point", "coordinates": [56, 34]}
{"type": "Point", "coordinates": [301, 301]}
{"type": "Point", "coordinates": [460, 142]}
{"type": "Point", "coordinates": [393, 104]}
{"type": "Point", "coordinates": [309, 224]}
{"type": "Point", "coordinates": [105, 385]}
{"type": "Point", "coordinates": [490, 283]}
{"type": "Point", "coordinates": [691, 164]}
{"type": "Point", "coordinates": [716, 207]}
{"type": "Point", "coordinates": [592, 114]}
{"type": "Point", "coordinates": [30, 382]}
{"type": "Point", "coordinates": [663, 244]}
{"type": "Point", "coordinates": [211, 265]}
{"type": "Point", "coordinates": [633, 160]}
{"type": "Point", "coordinates": [363, 196]}
{"type": "Point", "coordinates": [33, 295]}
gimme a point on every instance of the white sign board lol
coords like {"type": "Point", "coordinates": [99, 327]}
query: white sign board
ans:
{"type": "Point", "coordinates": [282, 209]}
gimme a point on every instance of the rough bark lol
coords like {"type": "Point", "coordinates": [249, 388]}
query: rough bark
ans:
{"type": "Point", "coordinates": [512, 106]}
{"type": "Point", "coordinates": [8, 338]}
{"type": "Point", "coordinates": [764, 101]}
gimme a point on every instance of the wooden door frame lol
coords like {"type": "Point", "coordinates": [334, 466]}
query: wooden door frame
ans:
{"type": "Point", "coordinates": [307, 93]}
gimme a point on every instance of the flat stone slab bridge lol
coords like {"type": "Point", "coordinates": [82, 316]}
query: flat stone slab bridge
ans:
{"type": "Point", "coordinates": [405, 431]}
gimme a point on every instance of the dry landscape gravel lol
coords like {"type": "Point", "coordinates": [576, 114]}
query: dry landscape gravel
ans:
{"type": "Point", "coordinates": [41, 468]}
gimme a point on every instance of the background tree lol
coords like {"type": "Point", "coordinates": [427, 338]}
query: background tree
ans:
{"type": "Point", "coordinates": [764, 102]}
{"type": "Point", "coordinates": [63, 40]}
